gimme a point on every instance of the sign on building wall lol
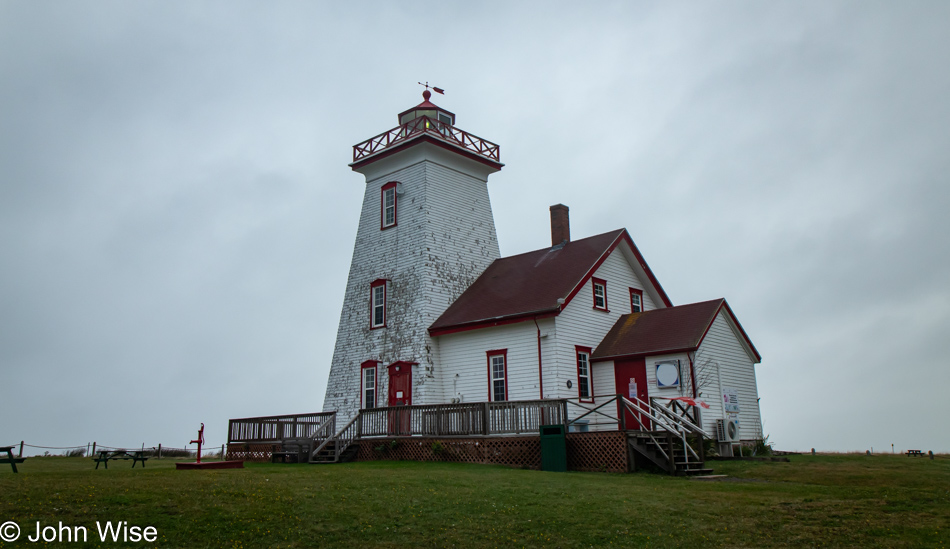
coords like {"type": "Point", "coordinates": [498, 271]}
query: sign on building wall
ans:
{"type": "Point", "coordinates": [668, 374]}
{"type": "Point", "coordinates": [730, 400]}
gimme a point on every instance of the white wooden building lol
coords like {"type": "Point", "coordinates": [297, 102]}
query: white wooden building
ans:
{"type": "Point", "coordinates": [432, 314]}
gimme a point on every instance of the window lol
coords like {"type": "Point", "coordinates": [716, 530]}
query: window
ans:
{"type": "Point", "coordinates": [636, 300]}
{"type": "Point", "coordinates": [368, 381]}
{"type": "Point", "coordinates": [377, 298]}
{"type": "Point", "coordinates": [388, 205]}
{"type": "Point", "coordinates": [600, 294]}
{"type": "Point", "coordinates": [584, 385]}
{"type": "Point", "coordinates": [498, 375]}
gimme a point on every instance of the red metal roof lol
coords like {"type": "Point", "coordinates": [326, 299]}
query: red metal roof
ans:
{"type": "Point", "coordinates": [528, 285]}
{"type": "Point", "coordinates": [674, 329]}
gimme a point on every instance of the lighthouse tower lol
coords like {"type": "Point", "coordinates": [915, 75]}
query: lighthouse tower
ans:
{"type": "Point", "coordinates": [426, 233]}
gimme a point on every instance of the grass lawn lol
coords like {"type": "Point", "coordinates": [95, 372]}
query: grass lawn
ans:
{"type": "Point", "coordinates": [846, 500]}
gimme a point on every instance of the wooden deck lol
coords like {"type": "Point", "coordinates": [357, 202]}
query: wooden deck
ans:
{"type": "Point", "coordinates": [487, 432]}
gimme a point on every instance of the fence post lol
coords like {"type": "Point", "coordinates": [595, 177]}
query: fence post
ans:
{"type": "Point", "coordinates": [222, 450]}
{"type": "Point", "coordinates": [93, 448]}
{"type": "Point", "coordinates": [159, 450]}
{"type": "Point", "coordinates": [486, 417]}
{"type": "Point", "coordinates": [21, 449]}
{"type": "Point", "coordinates": [564, 411]}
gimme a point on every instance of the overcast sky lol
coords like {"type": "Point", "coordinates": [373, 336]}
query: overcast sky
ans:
{"type": "Point", "coordinates": [177, 216]}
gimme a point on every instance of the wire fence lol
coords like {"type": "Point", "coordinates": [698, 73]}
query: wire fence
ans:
{"type": "Point", "coordinates": [92, 447]}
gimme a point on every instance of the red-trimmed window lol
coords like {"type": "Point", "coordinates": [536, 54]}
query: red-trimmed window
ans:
{"type": "Point", "coordinates": [636, 300]}
{"type": "Point", "coordinates": [377, 304]}
{"type": "Point", "coordinates": [498, 375]}
{"type": "Point", "coordinates": [600, 293]}
{"type": "Point", "coordinates": [369, 381]}
{"type": "Point", "coordinates": [585, 383]}
{"type": "Point", "coordinates": [387, 205]}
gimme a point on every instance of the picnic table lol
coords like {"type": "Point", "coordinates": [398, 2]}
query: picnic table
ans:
{"type": "Point", "coordinates": [10, 459]}
{"type": "Point", "coordinates": [914, 453]}
{"type": "Point", "coordinates": [135, 455]}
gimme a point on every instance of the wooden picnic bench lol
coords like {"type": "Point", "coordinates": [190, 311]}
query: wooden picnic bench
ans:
{"type": "Point", "coordinates": [914, 453]}
{"type": "Point", "coordinates": [293, 450]}
{"type": "Point", "coordinates": [135, 455]}
{"type": "Point", "coordinates": [10, 459]}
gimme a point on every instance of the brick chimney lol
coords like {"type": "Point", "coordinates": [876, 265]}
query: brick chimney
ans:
{"type": "Point", "coordinates": [560, 224]}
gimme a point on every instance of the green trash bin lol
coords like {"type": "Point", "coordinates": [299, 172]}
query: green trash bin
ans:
{"type": "Point", "coordinates": [553, 448]}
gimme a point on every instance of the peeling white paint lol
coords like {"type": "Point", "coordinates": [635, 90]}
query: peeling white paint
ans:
{"type": "Point", "coordinates": [444, 239]}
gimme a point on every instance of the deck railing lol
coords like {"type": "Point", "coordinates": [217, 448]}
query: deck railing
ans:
{"type": "Point", "coordinates": [277, 428]}
{"type": "Point", "coordinates": [474, 418]}
{"type": "Point", "coordinates": [436, 128]}
{"type": "Point", "coordinates": [477, 418]}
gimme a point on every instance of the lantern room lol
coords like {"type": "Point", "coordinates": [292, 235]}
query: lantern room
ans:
{"type": "Point", "coordinates": [430, 110]}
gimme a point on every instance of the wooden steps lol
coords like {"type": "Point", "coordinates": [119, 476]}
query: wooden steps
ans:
{"type": "Point", "coordinates": [328, 454]}
{"type": "Point", "coordinates": [653, 445]}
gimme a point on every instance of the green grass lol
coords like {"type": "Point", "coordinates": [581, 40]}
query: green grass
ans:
{"type": "Point", "coordinates": [847, 500]}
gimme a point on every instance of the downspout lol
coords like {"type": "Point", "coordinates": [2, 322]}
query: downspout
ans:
{"type": "Point", "coordinates": [692, 373]}
{"type": "Point", "coordinates": [540, 373]}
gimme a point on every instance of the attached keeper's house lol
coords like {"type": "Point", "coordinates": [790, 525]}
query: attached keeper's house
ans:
{"type": "Point", "coordinates": [442, 341]}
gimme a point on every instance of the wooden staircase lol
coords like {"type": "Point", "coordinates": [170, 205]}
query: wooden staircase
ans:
{"type": "Point", "coordinates": [666, 452]}
{"type": "Point", "coordinates": [328, 453]}
{"type": "Point", "coordinates": [338, 447]}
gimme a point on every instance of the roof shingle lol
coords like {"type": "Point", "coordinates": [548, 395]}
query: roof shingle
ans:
{"type": "Point", "coordinates": [677, 328]}
{"type": "Point", "coordinates": [526, 284]}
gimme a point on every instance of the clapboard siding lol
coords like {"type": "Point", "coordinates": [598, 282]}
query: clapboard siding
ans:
{"type": "Point", "coordinates": [722, 346]}
{"type": "Point", "coordinates": [605, 387]}
{"type": "Point", "coordinates": [580, 324]}
{"type": "Point", "coordinates": [464, 358]}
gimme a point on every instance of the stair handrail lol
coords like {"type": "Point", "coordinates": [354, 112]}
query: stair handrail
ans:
{"type": "Point", "coordinates": [324, 433]}
{"type": "Point", "coordinates": [639, 407]}
{"type": "Point", "coordinates": [335, 437]}
{"type": "Point", "coordinates": [683, 420]}
{"type": "Point", "coordinates": [678, 427]}
{"type": "Point", "coordinates": [346, 436]}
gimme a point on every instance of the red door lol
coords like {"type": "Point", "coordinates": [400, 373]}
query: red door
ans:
{"type": "Point", "coordinates": [631, 379]}
{"type": "Point", "coordinates": [400, 394]}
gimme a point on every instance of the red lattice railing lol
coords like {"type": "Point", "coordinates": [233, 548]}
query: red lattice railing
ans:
{"type": "Point", "coordinates": [605, 451]}
{"type": "Point", "coordinates": [426, 125]}
{"type": "Point", "coordinates": [259, 453]}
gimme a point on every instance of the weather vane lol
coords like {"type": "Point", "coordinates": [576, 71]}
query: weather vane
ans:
{"type": "Point", "coordinates": [435, 89]}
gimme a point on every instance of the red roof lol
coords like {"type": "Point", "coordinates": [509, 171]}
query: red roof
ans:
{"type": "Point", "coordinates": [674, 329]}
{"type": "Point", "coordinates": [529, 285]}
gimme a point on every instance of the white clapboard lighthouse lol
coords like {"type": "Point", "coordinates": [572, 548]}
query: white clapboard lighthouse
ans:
{"type": "Point", "coordinates": [426, 233]}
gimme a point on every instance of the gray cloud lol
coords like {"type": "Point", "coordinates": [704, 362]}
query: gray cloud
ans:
{"type": "Point", "coordinates": [177, 216]}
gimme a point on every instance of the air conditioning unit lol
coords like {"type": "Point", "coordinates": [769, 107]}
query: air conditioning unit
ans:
{"type": "Point", "coordinates": [727, 430]}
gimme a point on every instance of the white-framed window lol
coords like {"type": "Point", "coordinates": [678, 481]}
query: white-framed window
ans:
{"type": "Point", "coordinates": [600, 293]}
{"type": "Point", "coordinates": [584, 384]}
{"type": "Point", "coordinates": [636, 300]}
{"type": "Point", "coordinates": [377, 298]}
{"type": "Point", "coordinates": [370, 372]}
{"type": "Point", "coordinates": [388, 205]}
{"type": "Point", "coordinates": [498, 375]}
